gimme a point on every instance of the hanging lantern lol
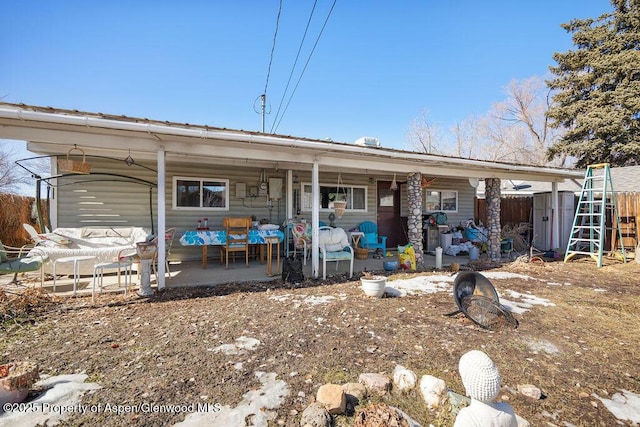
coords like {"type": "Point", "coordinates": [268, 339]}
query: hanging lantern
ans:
{"type": "Point", "coordinates": [394, 184]}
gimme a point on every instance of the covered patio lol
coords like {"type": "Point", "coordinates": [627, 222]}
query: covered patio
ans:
{"type": "Point", "coordinates": [164, 144]}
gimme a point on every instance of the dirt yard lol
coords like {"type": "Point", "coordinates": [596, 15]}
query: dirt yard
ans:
{"type": "Point", "coordinates": [578, 342]}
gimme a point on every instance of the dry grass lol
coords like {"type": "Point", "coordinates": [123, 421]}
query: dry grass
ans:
{"type": "Point", "coordinates": [160, 350]}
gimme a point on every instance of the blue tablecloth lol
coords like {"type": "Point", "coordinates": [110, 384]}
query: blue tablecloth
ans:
{"type": "Point", "coordinates": [219, 237]}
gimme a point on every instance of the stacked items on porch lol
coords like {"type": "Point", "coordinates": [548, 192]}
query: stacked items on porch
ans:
{"type": "Point", "coordinates": [466, 239]}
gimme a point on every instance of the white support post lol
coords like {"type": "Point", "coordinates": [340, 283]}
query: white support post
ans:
{"type": "Point", "coordinates": [161, 218]}
{"type": "Point", "coordinates": [315, 219]}
{"type": "Point", "coordinates": [289, 194]}
{"type": "Point", "coordinates": [555, 226]}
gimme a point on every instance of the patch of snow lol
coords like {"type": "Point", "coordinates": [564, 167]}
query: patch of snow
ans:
{"type": "Point", "coordinates": [515, 307]}
{"type": "Point", "coordinates": [393, 292]}
{"type": "Point", "coordinates": [531, 299]}
{"type": "Point", "coordinates": [624, 406]}
{"type": "Point", "coordinates": [62, 398]}
{"type": "Point", "coordinates": [242, 343]}
{"type": "Point", "coordinates": [438, 283]}
{"type": "Point", "coordinates": [419, 284]}
{"type": "Point", "coordinates": [544, 345]}
{"type": "Point", "coordinates": [305, 299]}
{"type": "Point", "coordinates": [503, 275]}
{"type": "Point", "coordinates": [599, 290]}
{"type": "Point", "coordinates": [256, 406]}
{"type": "Point", "coordinates": [314, 300]}
{"type": "Point", "coordinates": [281, 298]}
{"type": "Point", "coordinates": [559, 284]}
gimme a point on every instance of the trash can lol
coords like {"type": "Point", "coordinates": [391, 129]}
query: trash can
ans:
{"type": "Point", "coordinates": [445, 240]}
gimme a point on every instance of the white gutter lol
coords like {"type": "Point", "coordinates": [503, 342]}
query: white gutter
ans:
{"type": "Point", "coordinates": [153, 129]}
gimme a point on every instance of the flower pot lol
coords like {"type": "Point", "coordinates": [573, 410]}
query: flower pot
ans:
{"type": "Point", "coordinates": [146, 250]}
{"type": "Point", "coordinates": [339, 206]}
{"type": "Point", "coordinates": [374, 286]}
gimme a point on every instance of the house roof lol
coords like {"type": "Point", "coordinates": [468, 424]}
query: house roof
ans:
{"type": "Point", "coordinates": [54, 131]}
{"type": "Point", "coordinates": [626, 179]}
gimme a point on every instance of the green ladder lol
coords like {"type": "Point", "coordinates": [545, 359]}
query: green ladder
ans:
{"type": "Point", "coordinates": [589, 230]}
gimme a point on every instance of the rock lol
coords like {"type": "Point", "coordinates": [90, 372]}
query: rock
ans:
{"type": "Point", "coordinates": [315, 415]}
{"type": "Point", "coordinates": [375, 383]}
{"type": "Point", "coordinates": [530, 391]}
{"type": "Point", "coordinates": [434, 390]}
{"type": "Point", "coordinates": [355, 392]}
{"type": "Point", "coordinates": [333, 398]}
{"type": "Point", "coordinates": [404, 379]}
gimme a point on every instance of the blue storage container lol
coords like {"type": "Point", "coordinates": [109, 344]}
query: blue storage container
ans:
{"type": "Point", "coordinates": [472, 234]}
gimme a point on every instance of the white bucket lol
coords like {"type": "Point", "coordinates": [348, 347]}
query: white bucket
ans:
{"type": "Point", "coordinates": [445, 240]}
{"type": "Point", "coordinates": [474, 253]}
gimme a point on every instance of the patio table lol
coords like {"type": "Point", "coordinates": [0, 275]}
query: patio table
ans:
{"type": "Point", "coordinates": [205, 238]}
{"type": "Point", "coordinates": [76, 269]}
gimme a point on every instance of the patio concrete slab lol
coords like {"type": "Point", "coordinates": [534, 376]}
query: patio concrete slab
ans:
{"type": "Point", "coordinates": [191, 273]}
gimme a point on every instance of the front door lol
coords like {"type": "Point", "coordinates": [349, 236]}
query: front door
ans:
{"type": "Point", "coordinates": [388, 218]}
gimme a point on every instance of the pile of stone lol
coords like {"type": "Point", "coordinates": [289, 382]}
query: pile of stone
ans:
{"type": "Point", "coordinates": [336, 399]}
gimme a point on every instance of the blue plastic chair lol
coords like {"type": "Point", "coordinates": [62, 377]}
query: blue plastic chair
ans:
{"type": "Point", "coordinates": [371, 240]}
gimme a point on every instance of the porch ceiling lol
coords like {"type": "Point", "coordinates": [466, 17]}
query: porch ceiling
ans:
{"type": "Point", "coordinates": [55, 132]}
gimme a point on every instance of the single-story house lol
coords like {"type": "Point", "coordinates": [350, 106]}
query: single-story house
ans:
{"type": "Point", "coordinates": [160, 174]}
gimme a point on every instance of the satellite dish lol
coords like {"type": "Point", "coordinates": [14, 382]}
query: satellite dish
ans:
{"type": "Point", "coordinates": [520, 186]}
{"type": "Point", "coordinates": [474, 182]}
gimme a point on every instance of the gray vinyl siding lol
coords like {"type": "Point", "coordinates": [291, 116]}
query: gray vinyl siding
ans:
{"type": "Point", "coordinates": [466, 196]}
{"type": "Point", "coordinates": [100, 200]}
{"type": "Point", "coordinates": [187, 220]}
{"type": "Point", "coordinates": [109, 203]}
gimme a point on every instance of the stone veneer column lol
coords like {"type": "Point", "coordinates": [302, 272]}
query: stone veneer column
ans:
{"type": "Point", "coordinates": [492, 194]}
{"type": "Point", "coordinates": [414, 221]}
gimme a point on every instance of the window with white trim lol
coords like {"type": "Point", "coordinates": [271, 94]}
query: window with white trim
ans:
{"type": "Point", "coordinates": [207, 194]}
{"type": "Point", "coordinates": [355, 196]}
{"type": "Point", "coordinates": [441, 201]}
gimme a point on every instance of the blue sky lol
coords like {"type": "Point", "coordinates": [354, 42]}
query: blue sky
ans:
{"type": "Point", "coordinates": [376, 67]}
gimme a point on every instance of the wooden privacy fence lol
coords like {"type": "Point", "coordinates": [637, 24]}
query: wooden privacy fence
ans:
{"type": "Point", "coordinates": [629, 214]}
{"type": "Point", "coordinates": [513, 210]}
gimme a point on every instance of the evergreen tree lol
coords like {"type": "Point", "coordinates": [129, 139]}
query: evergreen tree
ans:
{"type": "Point", "coordinates": [597, 86]}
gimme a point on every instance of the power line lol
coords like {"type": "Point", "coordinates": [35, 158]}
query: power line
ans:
{"type": "Point", "coordinates": [263, 97]}
{"type": "Point", "coordinates": [274, 129]}
{"type": "Point", "coordinates": [304, 36]}
{"type": "Point", "coordinates": [273, 48]}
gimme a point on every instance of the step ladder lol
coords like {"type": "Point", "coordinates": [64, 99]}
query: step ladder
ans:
{"type": "Point", "coordinates": [597, 199]}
